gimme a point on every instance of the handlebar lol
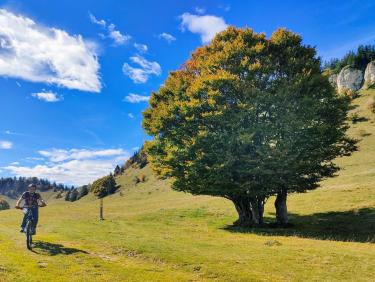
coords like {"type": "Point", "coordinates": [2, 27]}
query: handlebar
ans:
{"type": "Point", "coordinates": [21, 208]}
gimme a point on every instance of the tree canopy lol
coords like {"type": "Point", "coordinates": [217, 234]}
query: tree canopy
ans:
{"type": "Point", "coordinates": [104, 186]}
{"type": "Point", "coordinates": [245, 118]}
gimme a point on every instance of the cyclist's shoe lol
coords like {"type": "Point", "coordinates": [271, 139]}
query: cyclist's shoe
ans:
{"type": "Point", "coordinates": [22, 230]}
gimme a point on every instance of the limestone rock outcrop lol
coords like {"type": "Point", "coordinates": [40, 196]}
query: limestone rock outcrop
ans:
{"type": "Point", "coordinates": [349, 80]}
{"type": "Point", "coordinates": [369, 75]}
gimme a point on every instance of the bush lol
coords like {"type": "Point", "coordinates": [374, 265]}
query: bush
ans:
{"type": "Point", "coordinates": [371, 104]}
{"type": "Point", "coordinates": [104, 186]}
{"type": "Point", "coordinates": [59, 195]}
{"type": "Point", "coordinates": [67, 196]}
{"type": "Point", "coordinates": [136, 180]}
{"type": "Point", "coordinates": [4, 205]}
{"type": "Point", "coordinates": [73, 195]}
{"type": "Point", "coordinates": [143, 178]}
{"type": "Point", "coordinates": [83, 191]}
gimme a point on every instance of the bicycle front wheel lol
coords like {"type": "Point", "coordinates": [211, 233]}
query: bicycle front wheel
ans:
{"type": "Point", "coordinates": [29, 236]}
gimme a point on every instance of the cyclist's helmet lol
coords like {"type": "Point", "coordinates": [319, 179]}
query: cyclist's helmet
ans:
{"type": "Point", "coordinates": [32, 185]}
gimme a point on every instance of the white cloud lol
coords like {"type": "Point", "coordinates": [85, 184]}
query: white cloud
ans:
{"type": "Point", "coordinates": [142, 73]}
{"type": "Point", "coordinates": [226, 8]}
{"type": "Point", "coordinates": [130, 115]}
{"type": "Point", "coordinates": [167, 37]}
{"type": "Point", "coordinates": [116, 35]}
{"type": "Point", "coordinates": [59, 155]}
{"type": "Point", "coordinates": [74, 166]}
{"type": "Point", "coordinates": [94, 20]}
{"type": "Point", "coordinates": [135, 98]}
{"type": "Point", "coordinates": [41, 54]}
{"type": "Point", "coordinates": [141, 47]}
{"type": "Point", "coordinates": [47, 96]}
{"type": "Point", "coordinates": [206, 26]}
{"type": "Point", "coordinates": [15, 163]}
{"type": "Point", "coordinates": [6, 145]}
{"type": "Point", "coordinates": [200, 10]}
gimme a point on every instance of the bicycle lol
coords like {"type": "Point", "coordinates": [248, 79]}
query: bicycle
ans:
{"type": "Point", "coordinates": [30, 228]}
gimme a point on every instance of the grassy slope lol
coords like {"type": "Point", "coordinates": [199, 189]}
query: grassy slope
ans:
{"type": "Point", "coordinates": [153, 233]}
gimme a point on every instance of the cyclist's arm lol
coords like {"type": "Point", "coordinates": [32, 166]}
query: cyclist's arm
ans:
{"type": "Point", "coordinates": [19, 202]}
{"type": "Point", "coordinates": [42, 201]}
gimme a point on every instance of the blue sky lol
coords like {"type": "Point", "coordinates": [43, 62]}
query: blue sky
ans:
{"type": "Point", "coordinates": [76, 75]}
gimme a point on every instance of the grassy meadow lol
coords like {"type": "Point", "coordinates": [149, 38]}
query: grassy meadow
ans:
{"type": "Point", "coordinates": [151, 233]}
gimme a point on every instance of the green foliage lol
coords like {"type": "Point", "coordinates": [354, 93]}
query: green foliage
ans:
{"type": "Point", "coordinates": [358, 59]}
{"type": "Point", "coordinates": [118, 170]}
{"type": "Point", "coordinates": [104, 186]}
{"type": "Point", "coordinates": [83, 191]}
{"type": "Point", "coordinates": [4, 205]}
{"type": "Point", "coordinates": [247, 116]}
{"type": "Point", "coordinates": [138, 159]}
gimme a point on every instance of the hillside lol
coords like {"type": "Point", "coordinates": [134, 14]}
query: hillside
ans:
{"type": "Point", "coordinates": [154, 233]}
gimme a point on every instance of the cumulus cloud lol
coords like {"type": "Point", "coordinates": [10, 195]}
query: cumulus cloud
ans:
{"type": "Point", "coordinates": [117, 36]}
{"type": "Point", "coordinates": [5, 145]}
{"type": "Point", "coordinates": [167, 37]}
{"type": "Point", "coordinates": [41, 54]}
{"type": "Point", "coordinates": [206, 26]}
{"type": "Point", "coordinates": [74, 166]}
{"type": "Point", "coordinates": [47, 96]}
{"type": "Point", "coordinates": [141, 47]}
{"type": "Point", "coordinates": [135, 98]}
{"type": "Point", "coordinates": [142, 72]}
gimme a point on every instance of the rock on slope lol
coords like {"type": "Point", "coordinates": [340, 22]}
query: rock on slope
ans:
{"type": "Point", "coordinates": [349, 79]}
{"type": "Point", "coordinates": [369, 75]}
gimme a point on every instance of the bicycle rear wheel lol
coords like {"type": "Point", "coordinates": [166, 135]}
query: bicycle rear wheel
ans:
{"type": "Point", "coordinates": [29, 236]}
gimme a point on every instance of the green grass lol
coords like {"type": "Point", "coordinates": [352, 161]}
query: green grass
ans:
{"type": "Point", "coordinates": [154, 233]}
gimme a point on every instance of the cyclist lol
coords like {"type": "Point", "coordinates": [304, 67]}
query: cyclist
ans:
{"type": "Point", "coordinates": [32, 200]}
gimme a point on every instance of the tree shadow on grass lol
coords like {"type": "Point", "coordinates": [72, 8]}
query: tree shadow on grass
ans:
{"type": "Point", "coordinates": [51, 249]}
{"type": "Point", "coordinates": [354, 226]}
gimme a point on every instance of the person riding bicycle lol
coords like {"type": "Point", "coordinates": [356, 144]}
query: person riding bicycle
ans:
{"type": "Point", "coordinates": [32, 200]}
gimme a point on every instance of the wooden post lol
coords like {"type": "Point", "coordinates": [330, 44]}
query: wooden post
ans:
{"type": "Point", "coordinates": [101, 210]}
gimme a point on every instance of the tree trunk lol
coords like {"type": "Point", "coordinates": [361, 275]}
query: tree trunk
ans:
{"type": "Point", "coordinates": [257, 209]}
{"type": "Point", "coordinates": [281, 208]}
{"type": "Point", "coordinates": [245, 216]}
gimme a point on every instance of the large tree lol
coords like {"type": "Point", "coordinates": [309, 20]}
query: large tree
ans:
{"type": "Point", "coordinates": [247, 117]}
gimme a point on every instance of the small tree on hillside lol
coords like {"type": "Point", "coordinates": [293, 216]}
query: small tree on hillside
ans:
{"type": "Point", "coordinates": [245, 118]}
{"type": "Point", "coordinates": [4, 205]}
{"type": "Point", "coordinates": [104, 186]}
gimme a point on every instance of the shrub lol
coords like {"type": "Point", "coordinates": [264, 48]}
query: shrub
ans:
{"type": "Point", "coordinates": [59, 195]}
{"type": "Point", "coordinates": [82, 191]}
{"type": "Point", "coordinates": [355, 117]}
{"type": "Point", "coordinates": [136, 180]}
{"type": "Point", "coordinates": [104, 186]}
{"type": "Point", "coordinates": [371, 104]}
{"type": "Point", "coordinates": [67, 196]}
{"type": "Point", "coordinates": [4, 205]}
{"type": "Point", "coordinates": [143, 178]}
{"type": "Point", "coordinates": [363, 133]}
